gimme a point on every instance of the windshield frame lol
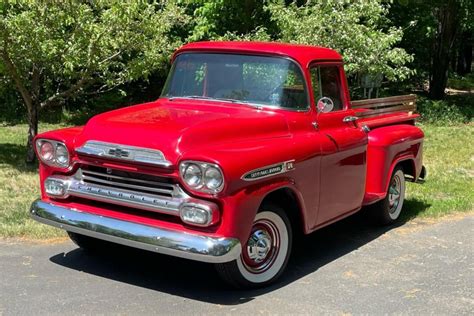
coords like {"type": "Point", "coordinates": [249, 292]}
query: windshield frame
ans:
{"type": "Point", "coordinates": [307, 108]}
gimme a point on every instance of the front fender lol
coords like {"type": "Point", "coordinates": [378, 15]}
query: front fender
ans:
{"type": "Point", "coordinates": [239, 209]}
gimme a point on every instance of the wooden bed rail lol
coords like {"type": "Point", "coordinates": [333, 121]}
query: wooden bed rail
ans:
{"type": "Point", "coordinates": [374, 107]}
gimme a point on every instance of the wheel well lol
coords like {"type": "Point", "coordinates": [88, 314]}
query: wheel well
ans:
{"type": "Point", "coordinates": [408, 168]}
{"type": "Point", "coordinates": [286, 199]}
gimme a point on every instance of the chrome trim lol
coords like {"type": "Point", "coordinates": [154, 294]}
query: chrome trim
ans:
{"type": "Point", "coordinates": [349, 119]}
{"type": "Point", "coordinates": [148, 198]}
{"type": "Point", "coordinates": [423, 174]}
{"type": "Point", "coordinates": [123, 152]}
{"type": "Point", "coordinates": [285, 167]}
{"type": "Point", "coordinates": [127, 198]}
{"type": "Point", "coordinates": [161, 240]}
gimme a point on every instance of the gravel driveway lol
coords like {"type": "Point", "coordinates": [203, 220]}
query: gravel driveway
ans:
{"type": "Point", "coordinates": [347, 268]}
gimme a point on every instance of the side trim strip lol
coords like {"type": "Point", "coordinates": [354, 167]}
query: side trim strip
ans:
{"type": "Point", "coordinates": [269, 171]}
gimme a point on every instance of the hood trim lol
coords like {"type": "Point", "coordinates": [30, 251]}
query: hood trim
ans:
{"type": "Point", "coordinates": [124, 152]}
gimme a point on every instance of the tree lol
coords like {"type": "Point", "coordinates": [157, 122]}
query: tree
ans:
{"type": "Point", "coordinates": [439, 36]}
{"type": "Point", "coordinates": [55, 53]}
{"type": "Point", "coordinates": [228, 19]}
{"type": "Point", "coordinates": [447, 15]}
{"type": "Point", "coordinates": [359, 30]}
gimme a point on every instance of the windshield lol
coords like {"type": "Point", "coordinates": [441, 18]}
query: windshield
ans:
{"type": "Point", "coordinates": [249, 79]}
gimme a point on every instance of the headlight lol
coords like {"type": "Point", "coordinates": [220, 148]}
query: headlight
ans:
{"type": "Point", "coordinates": [46, 151]}
{"type": "Point", "coordinates": [213, 178]}
{"type": "Point", "coordinates": [192, 175]}
{"type": "Point", "coordinates": [202, 176]}
{"type": "Point", "coordinates": [62, 155]}
{"type": "Point", "coordinates": [53, 153]}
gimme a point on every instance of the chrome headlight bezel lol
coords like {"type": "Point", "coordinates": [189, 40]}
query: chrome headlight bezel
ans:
{"type": "Point", "coordinates": [202, 185]}
{"type": "Point", "coordinates": [60, 151]}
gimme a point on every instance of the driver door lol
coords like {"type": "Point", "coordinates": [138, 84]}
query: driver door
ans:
{"type": "Point", "coordinates": [343, 146]}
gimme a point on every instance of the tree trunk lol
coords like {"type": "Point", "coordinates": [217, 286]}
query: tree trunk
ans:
{"type": "Point", "coordinates": [448, 21]}
{"type": "Point", "coordinates": [465, 54]}
{"type": "Point", "coordinates": [31, 100]}
{"type": "Point", "coordinates": [32, 132]}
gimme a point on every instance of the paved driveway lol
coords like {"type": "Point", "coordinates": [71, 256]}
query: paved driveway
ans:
{"type": "Point", "coordinates": [348, 268]}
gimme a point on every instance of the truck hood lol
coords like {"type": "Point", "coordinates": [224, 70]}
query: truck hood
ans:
{"type": "Point", "coordinates": [178, 126]}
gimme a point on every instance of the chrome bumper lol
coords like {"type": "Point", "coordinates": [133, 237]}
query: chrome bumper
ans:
{"type": "Point", "coordinates": [161, 240]}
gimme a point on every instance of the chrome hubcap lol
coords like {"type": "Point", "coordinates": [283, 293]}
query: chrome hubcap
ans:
{"type": "Point", "coordinates": [262, 247]}
{"type": "Point", "coordinates": [259, 245]}
{"type": "Point", "coordinates": [394, 193]}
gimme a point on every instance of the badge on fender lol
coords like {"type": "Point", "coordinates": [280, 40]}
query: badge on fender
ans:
{"type": "Point", "coordinates": [268, 171]}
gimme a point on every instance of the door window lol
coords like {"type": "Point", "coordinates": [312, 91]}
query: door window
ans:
{"type": "Point", "coordinates": [326, 82]}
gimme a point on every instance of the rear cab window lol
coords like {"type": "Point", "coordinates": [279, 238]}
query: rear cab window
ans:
{"type": "Point", "coordinates": [326, 82]}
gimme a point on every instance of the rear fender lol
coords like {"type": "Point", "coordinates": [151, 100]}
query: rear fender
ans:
{"type": "Point", "coordinates": [388, 147]}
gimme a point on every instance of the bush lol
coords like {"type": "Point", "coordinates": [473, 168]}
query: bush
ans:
{"type": "Point", "coordinates": [461, 83]}
{"type": "Point", "coordinates": [453, 110]}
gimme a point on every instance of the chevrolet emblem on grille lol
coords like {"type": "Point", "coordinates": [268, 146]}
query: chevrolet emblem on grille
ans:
{"type": "Point", "coordinates": [119, 153]}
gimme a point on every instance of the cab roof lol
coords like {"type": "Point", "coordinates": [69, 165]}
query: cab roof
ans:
{"type": "Point", "coordinates": [303, 54]}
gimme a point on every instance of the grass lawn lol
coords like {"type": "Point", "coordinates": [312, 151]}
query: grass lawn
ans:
{"type": "Point", "coordinates": [448, 156]}
{"type": "Point", "coordinates": [19, 186]}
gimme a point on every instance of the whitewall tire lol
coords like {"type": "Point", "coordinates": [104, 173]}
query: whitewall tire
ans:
{"type": "Point", "coordinates": [388, 210]}
{"type": "Point", "coordinates": [265, 254]}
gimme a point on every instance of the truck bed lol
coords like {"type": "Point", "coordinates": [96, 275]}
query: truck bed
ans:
{"type": "Point", "coordinates": [386, 111]}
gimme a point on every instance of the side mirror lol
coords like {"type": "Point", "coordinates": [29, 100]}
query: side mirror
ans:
{"type": "Point", "coordinates": [325, 105]}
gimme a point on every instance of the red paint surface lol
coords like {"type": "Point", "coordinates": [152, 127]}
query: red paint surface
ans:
{"type": "Point", "coordinates": [338, 167]}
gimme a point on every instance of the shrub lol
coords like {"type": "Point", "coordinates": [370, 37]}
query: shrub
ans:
{"type": "Point", "coordinates": [453, 110]}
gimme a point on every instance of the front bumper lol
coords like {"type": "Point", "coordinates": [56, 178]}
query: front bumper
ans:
{"type": "Point", "coordinates": [160, 240]}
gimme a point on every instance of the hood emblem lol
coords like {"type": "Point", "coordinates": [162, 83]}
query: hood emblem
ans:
{"type": "Point", "coordinates": [124, 152]}
{"type": "Point", "coordinates": [118, 152]}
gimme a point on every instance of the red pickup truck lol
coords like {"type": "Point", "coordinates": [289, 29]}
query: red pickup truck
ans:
{"type": "Point", "coordinates": [248, 144]}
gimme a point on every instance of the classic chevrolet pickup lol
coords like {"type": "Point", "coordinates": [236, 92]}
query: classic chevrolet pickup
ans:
{"type": "Point", "coordinates": [248, 144]}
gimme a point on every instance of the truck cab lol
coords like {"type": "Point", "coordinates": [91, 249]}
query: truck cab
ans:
{"type": "Point", "coordinates": [248, 144]}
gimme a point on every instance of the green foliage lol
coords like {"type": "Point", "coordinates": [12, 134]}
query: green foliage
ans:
{"type": "Point", "coordinates": [359, 30]}
{"type": "Point", "coordinates": [99, 44]}
{"type": "Point", "coordinates": [420, 21]}
{"type": "Point", "coordinates": [453, 110]}
{"type": "Point", "coordinates": [462, 83]}
{"type": "Point", "coordinates": [230, 19]}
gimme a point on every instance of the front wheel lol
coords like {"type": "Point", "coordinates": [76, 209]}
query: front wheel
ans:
{"type": "Point", "coordinates": [265, 254]}
{"type": "Point", "coordinates": [388, 210]}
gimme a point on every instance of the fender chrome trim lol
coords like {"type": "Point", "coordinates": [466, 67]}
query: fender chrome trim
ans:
{"type": "Point", "coordinates": [268, 171]}
{"type": "Point", "coordinates": [161, 240]}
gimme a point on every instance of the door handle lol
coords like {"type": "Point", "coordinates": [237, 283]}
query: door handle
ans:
{"type": "Point", "coordinates": [349, 119]}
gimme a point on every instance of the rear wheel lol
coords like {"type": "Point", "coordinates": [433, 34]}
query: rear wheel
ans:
{"type": "Point", "coordinates": [265, 254]}
{"type": "Point", "coordinates": [388, 210]}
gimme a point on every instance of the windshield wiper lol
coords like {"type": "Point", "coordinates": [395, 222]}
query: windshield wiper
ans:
{"type": "Point", "coordinates": [202, 97]}
{"type": "Point", "coordinates": [191, 97]}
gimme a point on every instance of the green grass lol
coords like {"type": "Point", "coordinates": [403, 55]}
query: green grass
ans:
{"type": "Point", "coordinates": [448, 156]}
{"type": "Point", "coordinates": [19, 186]}
{"type": "Point", "coordinates": [449, 159]}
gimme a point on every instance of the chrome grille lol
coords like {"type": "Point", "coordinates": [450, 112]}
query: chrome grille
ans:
{"type": "Point", "coordinates": [142, 191]}
{"type": "Point", "coordinates": [127, 180]}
